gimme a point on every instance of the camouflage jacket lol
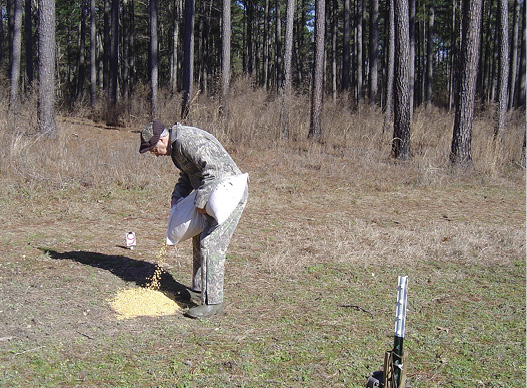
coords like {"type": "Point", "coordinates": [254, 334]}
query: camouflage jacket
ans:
{"type": "Point", "coordinates": [202, 161]}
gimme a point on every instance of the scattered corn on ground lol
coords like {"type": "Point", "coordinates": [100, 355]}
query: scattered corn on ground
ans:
{"type": "Point", "coordinates": [148, 300]}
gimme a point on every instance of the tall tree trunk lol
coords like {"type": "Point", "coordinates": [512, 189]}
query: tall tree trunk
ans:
{"type": "Point", "coordinates": [514, 55]}
{"type": "Point", "coordinates": [503, 69]}
{"type": "Point", "coordinates": [81, 67]}
{"type": "Point", "coordinates": [374, 49]}
{"type": "Point", "coordinates": [249, 36]}
{"type": "Point", "coordinates": [29, 42]}
{"type": "Point", "coordinates": [46, 68]}
{"type": "Point", "coordinates": [174, 59]}
{"type": "Point", "coordinates": [346, 49]}
{"type": "Point", "coordinates": [107, 48]}
{"type": "Point", "coordinates": [10, 28]}
{"type": "Point", "coordinates": [494, 71]}
{"type": "Point", "coordinates": [453, 57]}
{"type": "Point", "coordinates": [114, 62]}
{"type": "Point", "coordinates": [287, 86]}
{"type": "Point", "coordinates": [226, 57]}
{"type": "Point", "coordinates": [267, 22]}
{"type": "Point", "coordinates": [200, 48]}
{"type": "Point", "coordinates": [390, 67]}
{"type": "Point", "coordinates": [401, 125]}
{"type": "Point", "coordinates": [14, 95]}
{"type": "Point", "coordinates": [125, 51]}
{"type": "Point", "coordinates": [3, 38]}
{"type": "Point", "coordinates": [131, 58]}
{"type": "Point", "coordinates": [358, 50]}
{"type": "Point", "coordinates": [430, 56]}
{"type": "Point", "coordinates": [315, 126]}
{"type": "Point", "coordinates": [411, 32]}
{"type": "Point", "coordinates": [93, 57]}
{"type": "Point", "coordinates": [154, 49]}
{"type": "Point", "coordinates": [300, 41]}
{"type": "Point", "coordinates": [204, 46]}
{"type": "Point", "coordinates": [334, 28]}
{"type": "Point", "coordinates": [421, 28]}
{"type": "Point", "coordinates": [188, 57]}
{"type": "Point", "coordinates": [462, 134]}
{"type": "Point", "coordinates": [523, 67]}
{"type": "Point", "coordinates": [278, 42]}
{"type": "Point", "coordinates": [486, 56]}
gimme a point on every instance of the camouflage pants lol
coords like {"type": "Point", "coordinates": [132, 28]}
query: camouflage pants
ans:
{"type": "Point", "coordinates": [209, 249]}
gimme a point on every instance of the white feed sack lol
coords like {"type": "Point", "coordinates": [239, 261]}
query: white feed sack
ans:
{"type": "Point", "coordinates": [185, 221]}
{"type": "Point", "coordinates": [226, 197]}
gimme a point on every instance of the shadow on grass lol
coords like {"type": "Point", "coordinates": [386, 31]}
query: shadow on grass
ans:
{"type": "Point", "coordinates": [128, 269]}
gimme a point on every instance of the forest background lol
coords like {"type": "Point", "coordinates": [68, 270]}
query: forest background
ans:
{"type": "Point", "coordinates": [112, 52]}
{"type": "Point", "coordinates": [335, 213]}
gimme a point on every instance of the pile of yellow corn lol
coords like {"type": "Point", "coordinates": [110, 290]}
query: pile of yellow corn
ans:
{"type": "Point", "coordinates": [148, 300]}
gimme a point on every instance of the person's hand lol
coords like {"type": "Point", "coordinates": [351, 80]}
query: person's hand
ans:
{"type": "Point", "coordinates": [202, 211]}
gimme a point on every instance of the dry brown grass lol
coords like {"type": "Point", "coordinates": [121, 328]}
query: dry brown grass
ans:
{"type": "Point", "coordinates": [355, 147]}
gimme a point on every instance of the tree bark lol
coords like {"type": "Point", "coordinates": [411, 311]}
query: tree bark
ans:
{"type": "Point", "coordinates": [131, 52]}
{"type": "Point", "coordinates": [334, 28]}
{"type": "Point", "coordinates": [107, 48]}
{"type": "Point", "coordinates": [126, 49]}
{"type": "Point", "coordinates": [278, 42]}
{"type": "Point", "coordinates": [93, 57]}
{"type": "Point", "coordinates": [486, 55]}
{"type": "Point", "coordinates": [154, 69]}
{"type": "Point", "coordinates": [503, 68]}
{"type": "Point", "coordinates": [388, 111]}
{"type": "Point", "coordinates": [315, 127]}
{"type": "Point", "coordinates": [401, 126]}
{"type": "Point", "coordinates": [374, 48]}
{"type": "Point", "coordinates": [226, 57]}
{"type": "Point", "coordinates": [46, 68]}
{"type": "Point", "coordinates": [188, 57]}
{"type": "Point", "coordinates": [287, 86]}
{"type": "Point", "coordinates": [346, 49]}
{"type": "Point", "coordinates": [174, 59]}
{"type": "Point", "coordinates": [3, 39]}
{"type": "Point", "coordinates": [358, 50]}
{"type": "Point", "coordinates": [29, 42]}
{"type": "Point", "coordinates": [114, 61]}
{"type": "Point", "coordinates": [514, 55]}
{"type": "Point", "coordinates": [523, 67]}
{"type": "Point", "coordinates": [249, 37]}
{"type": "Point", "coordinates": [453, 57]}
{"type": "Point", "coordinates": [16, 54]}
{"type": "Point", "coordinates": [462, 135]}
{"type": "Point", "coordinates": [81, 67]}
{"type": "Point", "coordinates": [430, 56]}
{"type": "Point", "coordinates": [411, 32]}
{"type": "Point", "coordinates": [267, 22]}
{"type": "Point", "coordinates": [301, 22]}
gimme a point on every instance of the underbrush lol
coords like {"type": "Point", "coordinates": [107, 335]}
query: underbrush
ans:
{"type": "Point", "coordinates": [87, 151]}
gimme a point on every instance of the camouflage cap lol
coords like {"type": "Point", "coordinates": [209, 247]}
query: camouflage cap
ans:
{"type": "Point", "coordinates": [150, 135]}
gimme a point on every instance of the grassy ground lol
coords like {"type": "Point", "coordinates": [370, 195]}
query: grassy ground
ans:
{"type": "Point", "coordinates": [310, 283]}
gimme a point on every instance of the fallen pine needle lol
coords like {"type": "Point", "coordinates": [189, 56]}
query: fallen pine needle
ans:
{"type": "Point", "coordinates": [85, 335]}
{"type": "Point", "coordinates": [26, 351]}
{"type": "Point", "coordinates": [356, 308]}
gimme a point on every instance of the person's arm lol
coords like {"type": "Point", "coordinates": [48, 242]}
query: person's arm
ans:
{"type": "Point", "coordinates": [182, 188]}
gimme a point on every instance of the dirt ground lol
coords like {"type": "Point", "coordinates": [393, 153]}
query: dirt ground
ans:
{"type": "Point", "coordinates": [308, 242]}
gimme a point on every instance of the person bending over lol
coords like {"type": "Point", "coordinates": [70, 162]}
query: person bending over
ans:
{"type": "Point", "coordinates": [203, 163]}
